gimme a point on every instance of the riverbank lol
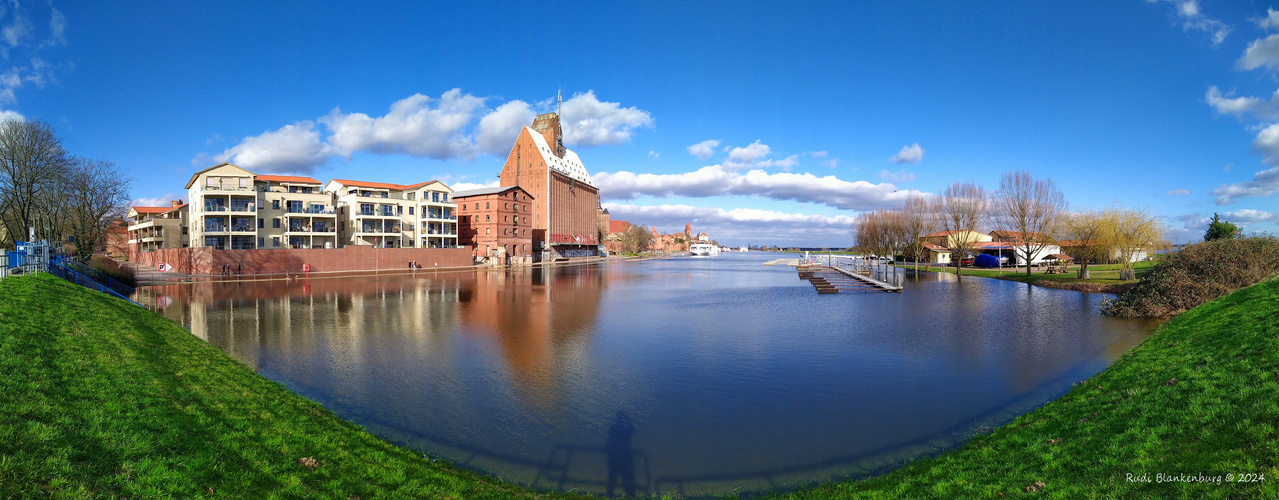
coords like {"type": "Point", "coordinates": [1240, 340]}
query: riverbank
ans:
{"type": "Point", "coordinates": [112, 400]}
{"type": "Point", "coordinates": [105, 399]}
{"type": "Point", "coordinates": [1189, 413]}
{"type": "Point", "coordinates": [1104, 278]}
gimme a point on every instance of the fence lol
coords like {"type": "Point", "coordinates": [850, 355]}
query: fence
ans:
{"type": "Point", "coordinates": [56, 268]}
{"type": "Point", "coordinates": [97, 276]}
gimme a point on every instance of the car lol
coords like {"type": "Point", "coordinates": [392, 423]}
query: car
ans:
{"type": "Point", "coordinates": [966, 261]}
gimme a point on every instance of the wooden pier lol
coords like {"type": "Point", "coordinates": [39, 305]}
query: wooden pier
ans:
{"type": "Point", "coordinates": [827, 279]}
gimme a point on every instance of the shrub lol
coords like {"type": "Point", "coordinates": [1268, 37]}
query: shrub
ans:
{"type": "Point", "coordinates": [110, 267]}
{"type": "Point", "coordinates": [1197, 274]}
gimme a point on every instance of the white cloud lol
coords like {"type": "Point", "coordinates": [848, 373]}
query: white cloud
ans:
{"type": "Point", "coordinates": [295, 148]}
{"type": "Point", "coordinates": [588, 122]}
{"type": "Point", "coordinates": [57, 27]}
{"type": "Point", "coordinates": [416, 125]}
{"type": "Point", "coordinates": [704, 149]}
{"type": "Point", "coordinates": [8, 114]}
{"type": "Point", "coordinates": [17, 29]}
{"type": "Point", "coordinates": [1270, 22]}
{"type": "Point", "coordinates": [1242, 106]}
{"type": "Point", "coordinates": [464, 186]}
{"type": "Point", "coordinates": [909, 154]}
{"type": "Point", "coordinates": [898, 177]}
{"type": "Point", "coordinates": [785, 164]}
{"type": "Point", "coordinates": [497, 130]}
{"type": "Point", "coordinates": [717, 180]}
{"type": "Point", "coordinates": [1249, 215]}
{"type": "Point", "coordinates": [750, 153]}
{"type": "Point", "coordinates": [1178, 192]}
{"type": "Point", "coordinates": [1263, 184]}
{"type": "Point", "coordinates": [1193, 19]}
{"type": "Point", "coordinates": [652, 155]}
{"type": "Point", "coordinates": [741, 226]}
{"type": "Point", "coordinates": [159, 201]}
{"type": "Point", "coordinates": [1261, 52]}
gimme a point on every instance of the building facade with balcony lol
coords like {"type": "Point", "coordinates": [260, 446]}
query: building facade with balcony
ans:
{"type": "Point", "coordinates": [436, 214]}
{"type": "Point", "coordinates": [394, 215]}
{"type": "Point", "coordinates": [496, 221]}
{"type": "Point", "coordinates": [223, 208]}
{"type": "Point", "coordinates": [155, 228]}
{"type": "Point", "coordinates": [295, 212]}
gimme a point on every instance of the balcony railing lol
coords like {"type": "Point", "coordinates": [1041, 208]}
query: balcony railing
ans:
{"type": "Point", "coordinates": [242, 227]}
{"type": "Point", "coordinates": [227, 188]}
{"type": "Point", "coordinates": [387, 212]}
{"type": "Point", "coordinates": [214, 208]}
{"type": "Point", "coordinates": [313, 210]}
{"type": "Point", "coordinates": [243, 207]}
{"type": "Point", "coordinates": [214, 228]}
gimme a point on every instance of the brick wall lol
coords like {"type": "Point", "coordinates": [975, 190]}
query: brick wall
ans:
{"type": "Point", "coordinates": [273, 261]}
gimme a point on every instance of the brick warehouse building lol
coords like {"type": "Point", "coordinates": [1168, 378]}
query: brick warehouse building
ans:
{"type": "Point", "coordinates": [496, 223]}
{"type": "Point", "coordinates": [565, 200]}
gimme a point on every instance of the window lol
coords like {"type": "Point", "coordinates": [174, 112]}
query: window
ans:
{"type": "Point", "coordinates": [342, 226]}
{"type": "Point", "coordinates": [487, 230]}
{"type": "Point", "coordinates": [244, 183]}
{"type": "Point", "coordinates": [293, 189]}
{"type": "Point", "coordinates": [275, 223]}
{"type": "Point", "coordinates": [275, 241]}
{"type": "Point", "coordinates": [486, 205]}
{"type": "Point", "coordinates": [210, 182]}
{"type": "Point", "coordinates": [260, 202]}
{"type": "Point", "coordinates": [260, 245]}
{"type": "Point", "coordinates": [444, 197]}
{"type": "Point", "coordinates": [399, 210]}
{"type": "Point", "coordinates": [526, 220]}
{"type": "Point", "coordinates": [486, 218]}
{"type": "Point", "coordinates": [386, 194]}
{"type": "Point", "coordinates": [260, 227]}
{"type": "Point", "coordinates": [508, 206]}
{"type": "Point", "coordinates": [435, 196]}
{"type": "Point", "coordinates": [275, 204]}
{"type": "Point", "coordinates": [517, 207]}
{"type": "Point", "coordinates": [410, 210]}
{"type": "Point", "coordinates": [307, 190]}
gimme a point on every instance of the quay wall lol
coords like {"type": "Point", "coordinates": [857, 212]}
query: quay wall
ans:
{"type": "Point", "coordinates": [206, 260]}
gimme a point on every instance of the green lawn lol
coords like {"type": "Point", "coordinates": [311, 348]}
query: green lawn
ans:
{"type": "Point", "coordinates": [105, 399]}
{"type": "Point", "coordinates": [1104, 274]}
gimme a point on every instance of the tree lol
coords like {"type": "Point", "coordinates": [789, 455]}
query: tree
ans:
{"type": "Point", "coordinates": [1220, 229]}
{"type": "Point", "coordinates": [31, 163]}
{"type": "Point", "coordinates": [636, 239]}
{"type": "Point", "coordinates": [1031, 207]}
{"type": "Point", "coordinates": [1089, 231]}
{"type": "Point", "coordinates": [918, 219]}
{"type": "Point", "coordinates": [96, 192]}
{"type": "Point", "coordinates": [1132, 231]}
{"type": "Point", "coordinates": [962, 208]}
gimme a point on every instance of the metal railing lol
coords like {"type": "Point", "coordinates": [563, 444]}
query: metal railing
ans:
{"type": "Point", "coordinates": [56, 268]}
{"type": "Point", "coordinates": [95, 275]}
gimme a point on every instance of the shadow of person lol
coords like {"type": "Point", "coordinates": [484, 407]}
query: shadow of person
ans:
{"type": "Point", "coordinates": [621, 459]}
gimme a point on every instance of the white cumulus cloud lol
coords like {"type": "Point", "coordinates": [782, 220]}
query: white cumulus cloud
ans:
{"type": "Point", "coordinates": [653, 155]}
{"type": "Point", "coordinates": [417, 126]}
{"type": "Point", "coordinates": [497, 130]}
{"type": "Point", "coordinates": [909, 154]}
{"type": "Point", "coordinates": [1270, 22]}
{"type": "Point", "coordinates": [1249, 215]}
{"type": "Point", "coordinates": [717, 180]}
{"type": "Point", "coordinates": [295, 148]}
{"type": "Point", "coordinates": [1192, 19]}
{"type": "Point", "coordinates": [742, 226]}
{"type": "Point", "coordinates": [1242, 106]}
{"type": "Point", "coordinates": [898, 177]}
{"type": "Point", "coordinates": [750, 153]}
{"type": "Point", "coordinates": [704, 149]}
{"type": "Point", "coordinates": [158, 201]}
{"type": "Point", "coordinates": [1261, 52]}
{"type": "Point", "coordinates": [587, 121]}
{"type": "Point", "coordinates": [1178, 192]}
{"type": "Point", "coordinates": [1263, 184]}
{"type": "Point", "coordinates": [464, 186]}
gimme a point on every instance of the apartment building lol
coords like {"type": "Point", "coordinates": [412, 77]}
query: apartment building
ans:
{"type": "Point", "coordinates": [394, 215]}
{"type": "Point", "coordinates": [153, 228]}
{"type": "Point", "coordinates": [294, 212]}
{"type": "Point", "coordinates": [223, 208]}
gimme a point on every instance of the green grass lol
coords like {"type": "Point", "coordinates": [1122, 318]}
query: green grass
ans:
{"type": "Point", "coordinates": [1103, 274]}
{"type": "Point", "coordinates": [1201, 396]}
{"type": "Point", "coordinates": [104, 399]}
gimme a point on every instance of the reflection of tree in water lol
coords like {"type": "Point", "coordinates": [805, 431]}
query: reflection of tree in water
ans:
{"type": "Point", "coordinates": [621, 459]}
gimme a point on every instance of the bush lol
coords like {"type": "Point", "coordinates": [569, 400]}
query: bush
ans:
{"type": "Point", "coordinates": [110, 267]}
{"type": "Point", "coordinates": [1197, 274]}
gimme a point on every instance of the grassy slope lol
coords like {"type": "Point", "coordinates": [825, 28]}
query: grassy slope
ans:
{"type": "Point", "coordinates": [111, 402]}
{"type": "Point", "coordinates": [1219, 417]}
{"type": "Point", "coordinates": [104, 399]}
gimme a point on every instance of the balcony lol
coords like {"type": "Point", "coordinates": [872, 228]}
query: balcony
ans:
{"type": "Point", "coordinates": [215, 228]}
{"type": "Point", "coordinates": [243, 207]}
{"type": "Point", "coordinates": [310, 229]}
{"type": "Point", "coordinates": [228, 189]}
{"type": "Point", "coordinates": [386, 212]}
{"type": "Point", "coordinates": [314, 211]}
{"type": "Point", "coordinates": [243, 228]}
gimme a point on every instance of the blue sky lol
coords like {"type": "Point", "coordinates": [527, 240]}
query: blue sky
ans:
{"type": "Point", "coordinates": [760, 123]}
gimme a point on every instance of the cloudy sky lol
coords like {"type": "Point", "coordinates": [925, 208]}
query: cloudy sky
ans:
{"type": "Point", "coordinates": [760, 123]}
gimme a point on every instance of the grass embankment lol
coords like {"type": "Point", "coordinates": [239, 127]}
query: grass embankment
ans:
{"type": "Point", "coordinates": [1199, 273]}
{"type": "Point", "coordinates": [1200, 397]}
{"type": "Point", "coordinates": [1102, 277]}
{"type": "Point", "coordinates": [105, 399]}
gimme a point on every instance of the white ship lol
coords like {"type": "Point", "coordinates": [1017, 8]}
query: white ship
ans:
{"type": "Point", "coordinates": [703, 249]}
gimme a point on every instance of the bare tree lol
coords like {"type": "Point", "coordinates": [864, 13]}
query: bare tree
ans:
{"type": "Point", "coordinates": [1089, 232]}
{"type": "Point", "coordinates": [636, 239]}
{"type": "Point", "coordinates": [1132, 231]}
{"type": "Point", "coordinates": [1030, 207]}
{"type": "Point", "coordinates": [918, 219]}
{"type": "Point", "coordinates": [962, 208]}
{"type": "Point", "coordinates": [870, 235]}
{"type": "Point", "coordinates": [96, 193]}
{"type": "Point", "coordinates": [31, 161]}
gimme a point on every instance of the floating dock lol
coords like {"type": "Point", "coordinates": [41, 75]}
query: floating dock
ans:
{"type": "Point", "coordinates": [827, 279]}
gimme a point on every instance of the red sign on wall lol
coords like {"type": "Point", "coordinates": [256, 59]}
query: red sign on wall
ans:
{"type": "Point", "coordinates": [163, 267]}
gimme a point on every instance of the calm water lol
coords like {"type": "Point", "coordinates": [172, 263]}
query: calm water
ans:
{"type": "Point", "coordinates": [692, 375]}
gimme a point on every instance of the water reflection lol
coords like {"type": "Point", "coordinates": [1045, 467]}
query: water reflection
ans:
{"type": "Point", "coordinates": [686, 376]}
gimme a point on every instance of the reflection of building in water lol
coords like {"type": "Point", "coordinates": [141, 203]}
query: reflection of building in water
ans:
{"type": "Point", "coordinates": [337, 317]}
{"type": "Point", "coordinates": [539, 318]}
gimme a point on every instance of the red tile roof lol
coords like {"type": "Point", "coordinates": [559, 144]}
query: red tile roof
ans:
{"type": "Point", "coordinates": [618, 226]}
{"type": "Point", "coordinates": [156, 210]}
{"type": "Point", "coordinates": [286, 178]}
{"type": "Point", "coordinates": [382, 185]}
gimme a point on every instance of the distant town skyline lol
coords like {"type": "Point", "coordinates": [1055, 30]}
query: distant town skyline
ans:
{"type": "Point", "coordinates": [758, 123]}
